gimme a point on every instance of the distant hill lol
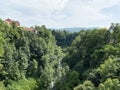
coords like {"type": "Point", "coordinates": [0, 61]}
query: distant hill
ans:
{"type": "Point", "coordinates": [75, 29]}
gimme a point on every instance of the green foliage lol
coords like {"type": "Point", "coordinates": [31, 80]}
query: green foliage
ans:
{"type": "Point", "coordinates": [88, 60]}
{"type": "Point", "coordinates": [109, 69]}
{"type": "Point", "coordinates": [23, 84]}
{"type": "Point", "coordinates": [84, 47]}
{"type": "Point", "coordinates": [64, 38]}
{"type": "Point", "coordinates": [110, 84]}
{"type": "Point", "coordinates": [2, 86]}
{"type": "Point", "coordinates": [26, 54]}
{"type": "Point", "coordinates": [70, 80]}
{"type": "Point", "coordinates": [87, 85]}
{"type": "Point", "coordinates": [1, 45]}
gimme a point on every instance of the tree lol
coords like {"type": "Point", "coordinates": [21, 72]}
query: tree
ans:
{"type": "Point", "coordinates": [32, 68]}
{"type": "Point", "coordinates": [23, 63]}
{"type": "Point", "coordinates": [110, 84]}
{"type": "Point", "coordinates": [87, 85]}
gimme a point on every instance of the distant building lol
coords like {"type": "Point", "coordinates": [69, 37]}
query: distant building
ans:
{"type": "Point", "coordinates": [17, 23]}
{"type": "Point", "coordinates": [30, 29]}
{"type": "Point", "coordinates": [10, 22]}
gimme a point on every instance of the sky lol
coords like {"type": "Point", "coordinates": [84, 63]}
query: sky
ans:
{"type": "Point", "coordinates": [62, 13]}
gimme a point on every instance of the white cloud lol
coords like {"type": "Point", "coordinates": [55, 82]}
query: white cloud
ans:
{"type": "Point", "coordinates": [88, 13]}
{"type": "Point", "coordinates": [101, 4]}
{"type": "Point", "coordinates": [41, 5]}
{"type": "Point", "coordinates": [58, 13]}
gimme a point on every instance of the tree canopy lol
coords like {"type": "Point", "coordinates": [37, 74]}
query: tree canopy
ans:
{"type": "Point", "coordinates": [59, 60]}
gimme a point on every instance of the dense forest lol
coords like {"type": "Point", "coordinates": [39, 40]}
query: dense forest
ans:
{"type": "Point", "coordinates": [59, 60]}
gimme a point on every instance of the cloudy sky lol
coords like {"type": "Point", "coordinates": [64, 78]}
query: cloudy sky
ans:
{"type": "Point", "coordinates": [62, 13]}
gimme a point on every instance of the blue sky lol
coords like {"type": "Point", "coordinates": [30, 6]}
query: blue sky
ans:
{"type": "Point", "coordinates": [62, 13]}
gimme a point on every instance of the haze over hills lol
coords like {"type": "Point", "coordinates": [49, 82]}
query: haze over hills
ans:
{"type": "Point", "coordinates": [76, 29]}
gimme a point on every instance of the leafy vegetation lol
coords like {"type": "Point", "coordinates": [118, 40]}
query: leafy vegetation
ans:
{"type": "Point", "coordinates": [59, 60]}
{"type": "Point", "coordinates": [64, 38]}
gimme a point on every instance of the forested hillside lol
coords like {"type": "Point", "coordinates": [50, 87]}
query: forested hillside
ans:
{"type": "Point", "coordinates": [64, 38]}
{"type": "Point", "coordinates": [28, 60]}
{"type": "Point", "coordinates": [59, 60]}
